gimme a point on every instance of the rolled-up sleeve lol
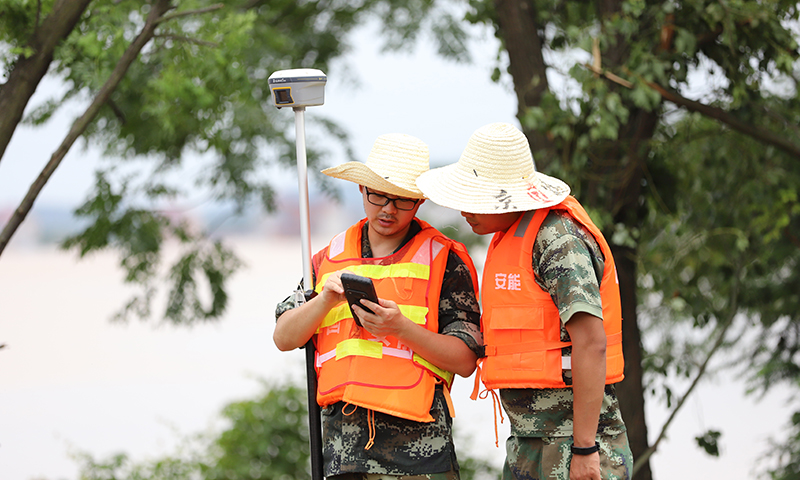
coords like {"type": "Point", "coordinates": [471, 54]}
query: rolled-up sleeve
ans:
{"type": "Point", "coordinates": [459, 311]}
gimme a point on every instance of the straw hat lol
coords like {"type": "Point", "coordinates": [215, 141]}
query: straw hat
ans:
{"type": "Point", "coordinates": [495, 174]}
{"type": "Point", "coordinates": [393, 165]}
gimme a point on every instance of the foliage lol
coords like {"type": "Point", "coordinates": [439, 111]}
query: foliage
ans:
{"type": "Point", "coordinates": [474, 468]}
{"type": "Point", "coordinates": [700, 200]}
{"type": "Point", "coordinates": [709, 442]}
{"type": "Point", "coordinates": [198, 93]}
{"type": "Point", "coordinates": [729, 246]}
{"type": "Point", "coordinates": [787, 454]}
{"type": "Point", "coordinates": [192, 120]}
{"type": "Point", "coordinates": [266, 439]}
{"type": "Point", "coordinates": [122, 467]}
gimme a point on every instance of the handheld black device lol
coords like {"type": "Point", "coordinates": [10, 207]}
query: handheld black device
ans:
{"type": "Point", "coordinates": [357, 287]}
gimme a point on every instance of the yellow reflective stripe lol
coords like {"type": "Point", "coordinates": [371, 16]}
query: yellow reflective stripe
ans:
{"type": "Point", "coordinates": [405, 269]}
{"type": "Point", "coordinates": [397, 270]}
{"type": "Point", "coordinates": [358, 346]}
{"type": "Point", "coordinates": [444, 374]}
{"type": "Point", "coordinates": [341, 312]}
{"type": "Point", "coordinates": [335, 315]}
{"type": "Point", "coordinates": [414, 313]}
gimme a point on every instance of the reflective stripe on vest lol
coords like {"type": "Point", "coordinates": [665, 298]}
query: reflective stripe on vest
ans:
{"type": "Point", "coordinates": [374, 349]}
{"type": "Point", "coordinates": [341, 312]}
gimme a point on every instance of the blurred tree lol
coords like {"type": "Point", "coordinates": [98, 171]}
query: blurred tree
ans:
{"type": "Point", "coordinates": [720, 270]}
{"type": "Point", "coordinates": [265, 439]}
{"type": "Point", "coordinates": [163, 85]}
{"type": "Point", "coordinates": [167, 82]}
{"type": "Point", "coordinates": [616, 97]}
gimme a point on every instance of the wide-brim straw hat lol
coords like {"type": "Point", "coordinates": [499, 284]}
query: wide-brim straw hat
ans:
{"type": "Point", "coordinates": [495, 174]}
{"type": "Point", "coordinates": [393, 165]}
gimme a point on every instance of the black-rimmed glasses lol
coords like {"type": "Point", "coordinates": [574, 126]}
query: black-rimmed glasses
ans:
{"type": "Point", "coordinates": [399, 203]}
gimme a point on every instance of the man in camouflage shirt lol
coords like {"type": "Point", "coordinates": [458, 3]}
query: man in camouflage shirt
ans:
{"type": "Point", "coordinates": [574, 431]}
{"type": "Point", "coordinates": [362, 444]}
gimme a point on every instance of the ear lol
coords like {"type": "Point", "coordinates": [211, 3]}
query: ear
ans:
{"type": "Point", "coordinates": [361, 189]}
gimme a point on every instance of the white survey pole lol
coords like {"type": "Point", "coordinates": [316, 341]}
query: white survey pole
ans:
{"type": "Point", "coordinates": [302, 184]}
{"type": "Point", "coordinates": [300, 88]}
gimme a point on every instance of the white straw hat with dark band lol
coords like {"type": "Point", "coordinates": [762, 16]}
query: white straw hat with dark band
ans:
{"type": "Point", "coordinates": [393, 165]}
{"type": "Point", "coordinates": [495, 174]}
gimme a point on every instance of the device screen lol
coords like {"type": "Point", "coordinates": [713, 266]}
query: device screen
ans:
{"type": "Point", "coordinates": [357, 287]}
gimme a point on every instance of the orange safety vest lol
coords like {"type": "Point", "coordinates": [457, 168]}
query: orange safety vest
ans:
{"type": "Point", "coordinates": [521, 324]}
{"type": "Point", "coordinates": [383, 374]}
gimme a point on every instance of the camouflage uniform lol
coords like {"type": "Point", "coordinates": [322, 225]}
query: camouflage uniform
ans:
{"type": "Point", "coordinates": [568, 264]}
{"type": "Point", "coordinates": [403, 448]}
{"type": "Point", "coordinates": [451, 475]}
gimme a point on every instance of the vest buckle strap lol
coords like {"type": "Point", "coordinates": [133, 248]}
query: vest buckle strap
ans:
{"type": "Point", "coordinates": [527, 347]}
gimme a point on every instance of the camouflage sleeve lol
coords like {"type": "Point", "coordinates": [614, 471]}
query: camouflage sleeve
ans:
{"type": "Point", "coordinates": [284, 306]}
{"type": "Point", "coordinates": [288, 303]}
{"type": "Point", "coordinates": [568, 264]}
{"type": "Point", "coordinates": [459, 313]}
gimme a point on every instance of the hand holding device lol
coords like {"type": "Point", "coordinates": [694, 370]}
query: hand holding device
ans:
{"type": "Point", "coordinates": [357, 287]}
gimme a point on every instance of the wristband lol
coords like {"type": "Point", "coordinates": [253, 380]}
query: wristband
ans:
{"type": "Point", "coordinates": [585, 450]}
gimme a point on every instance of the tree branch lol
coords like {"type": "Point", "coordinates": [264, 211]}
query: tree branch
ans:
{"type": "Point", "coordinates": [734, 296]}
{"type": "Point", "coordinates": [29, 71]}
{"type": "Point", "coordinates": [79, 126]}
{"type": "Point", "coordinates": [186, 13]}
{"type": "Point", "coordinates": [753, 131]}
{"type": "Point", "coordinates": [182, 38]}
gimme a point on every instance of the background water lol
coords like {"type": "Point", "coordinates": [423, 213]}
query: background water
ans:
{"type": "Point", "coordinates": [71, 380]}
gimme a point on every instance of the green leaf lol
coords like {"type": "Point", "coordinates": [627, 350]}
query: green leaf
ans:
{"type": "Point", "coordinates": [709, 442]}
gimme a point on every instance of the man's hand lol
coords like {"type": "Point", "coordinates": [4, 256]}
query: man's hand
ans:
{"type": "Point", "coordinates": [387, 320]}
{"type": "Point", "coordinates": [445, 351]}
{"type": "Point", "coordinates": [333, 291]}
{"type": "Point", "coordinates": [585, 467]}
{"type": "Point", "coordinates": [296, 326]}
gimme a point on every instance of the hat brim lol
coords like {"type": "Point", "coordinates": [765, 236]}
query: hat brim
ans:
{"type": "Point", "coordinates": [451, 187]}
{"type": "Point", "coordinates": [361, 174]}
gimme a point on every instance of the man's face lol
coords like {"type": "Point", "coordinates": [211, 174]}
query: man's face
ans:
{"type": "Point", "coordinates": [484, 223]}
{"type": "Point", "coordinates": [394, 217]}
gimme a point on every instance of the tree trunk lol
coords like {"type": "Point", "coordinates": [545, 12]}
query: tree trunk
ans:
{"type": "Point", "coordinates": [28, 72]}
{"type": "Point", "coordinates": [518, 28]}
{"type": "Point", "coordinates": [631, 390]}
{"type": "Point", "coordinates": [624, 174]}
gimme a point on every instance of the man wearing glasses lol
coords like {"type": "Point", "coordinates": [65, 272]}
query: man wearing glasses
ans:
{"type": "Point", "coordinates": [384, 386]}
